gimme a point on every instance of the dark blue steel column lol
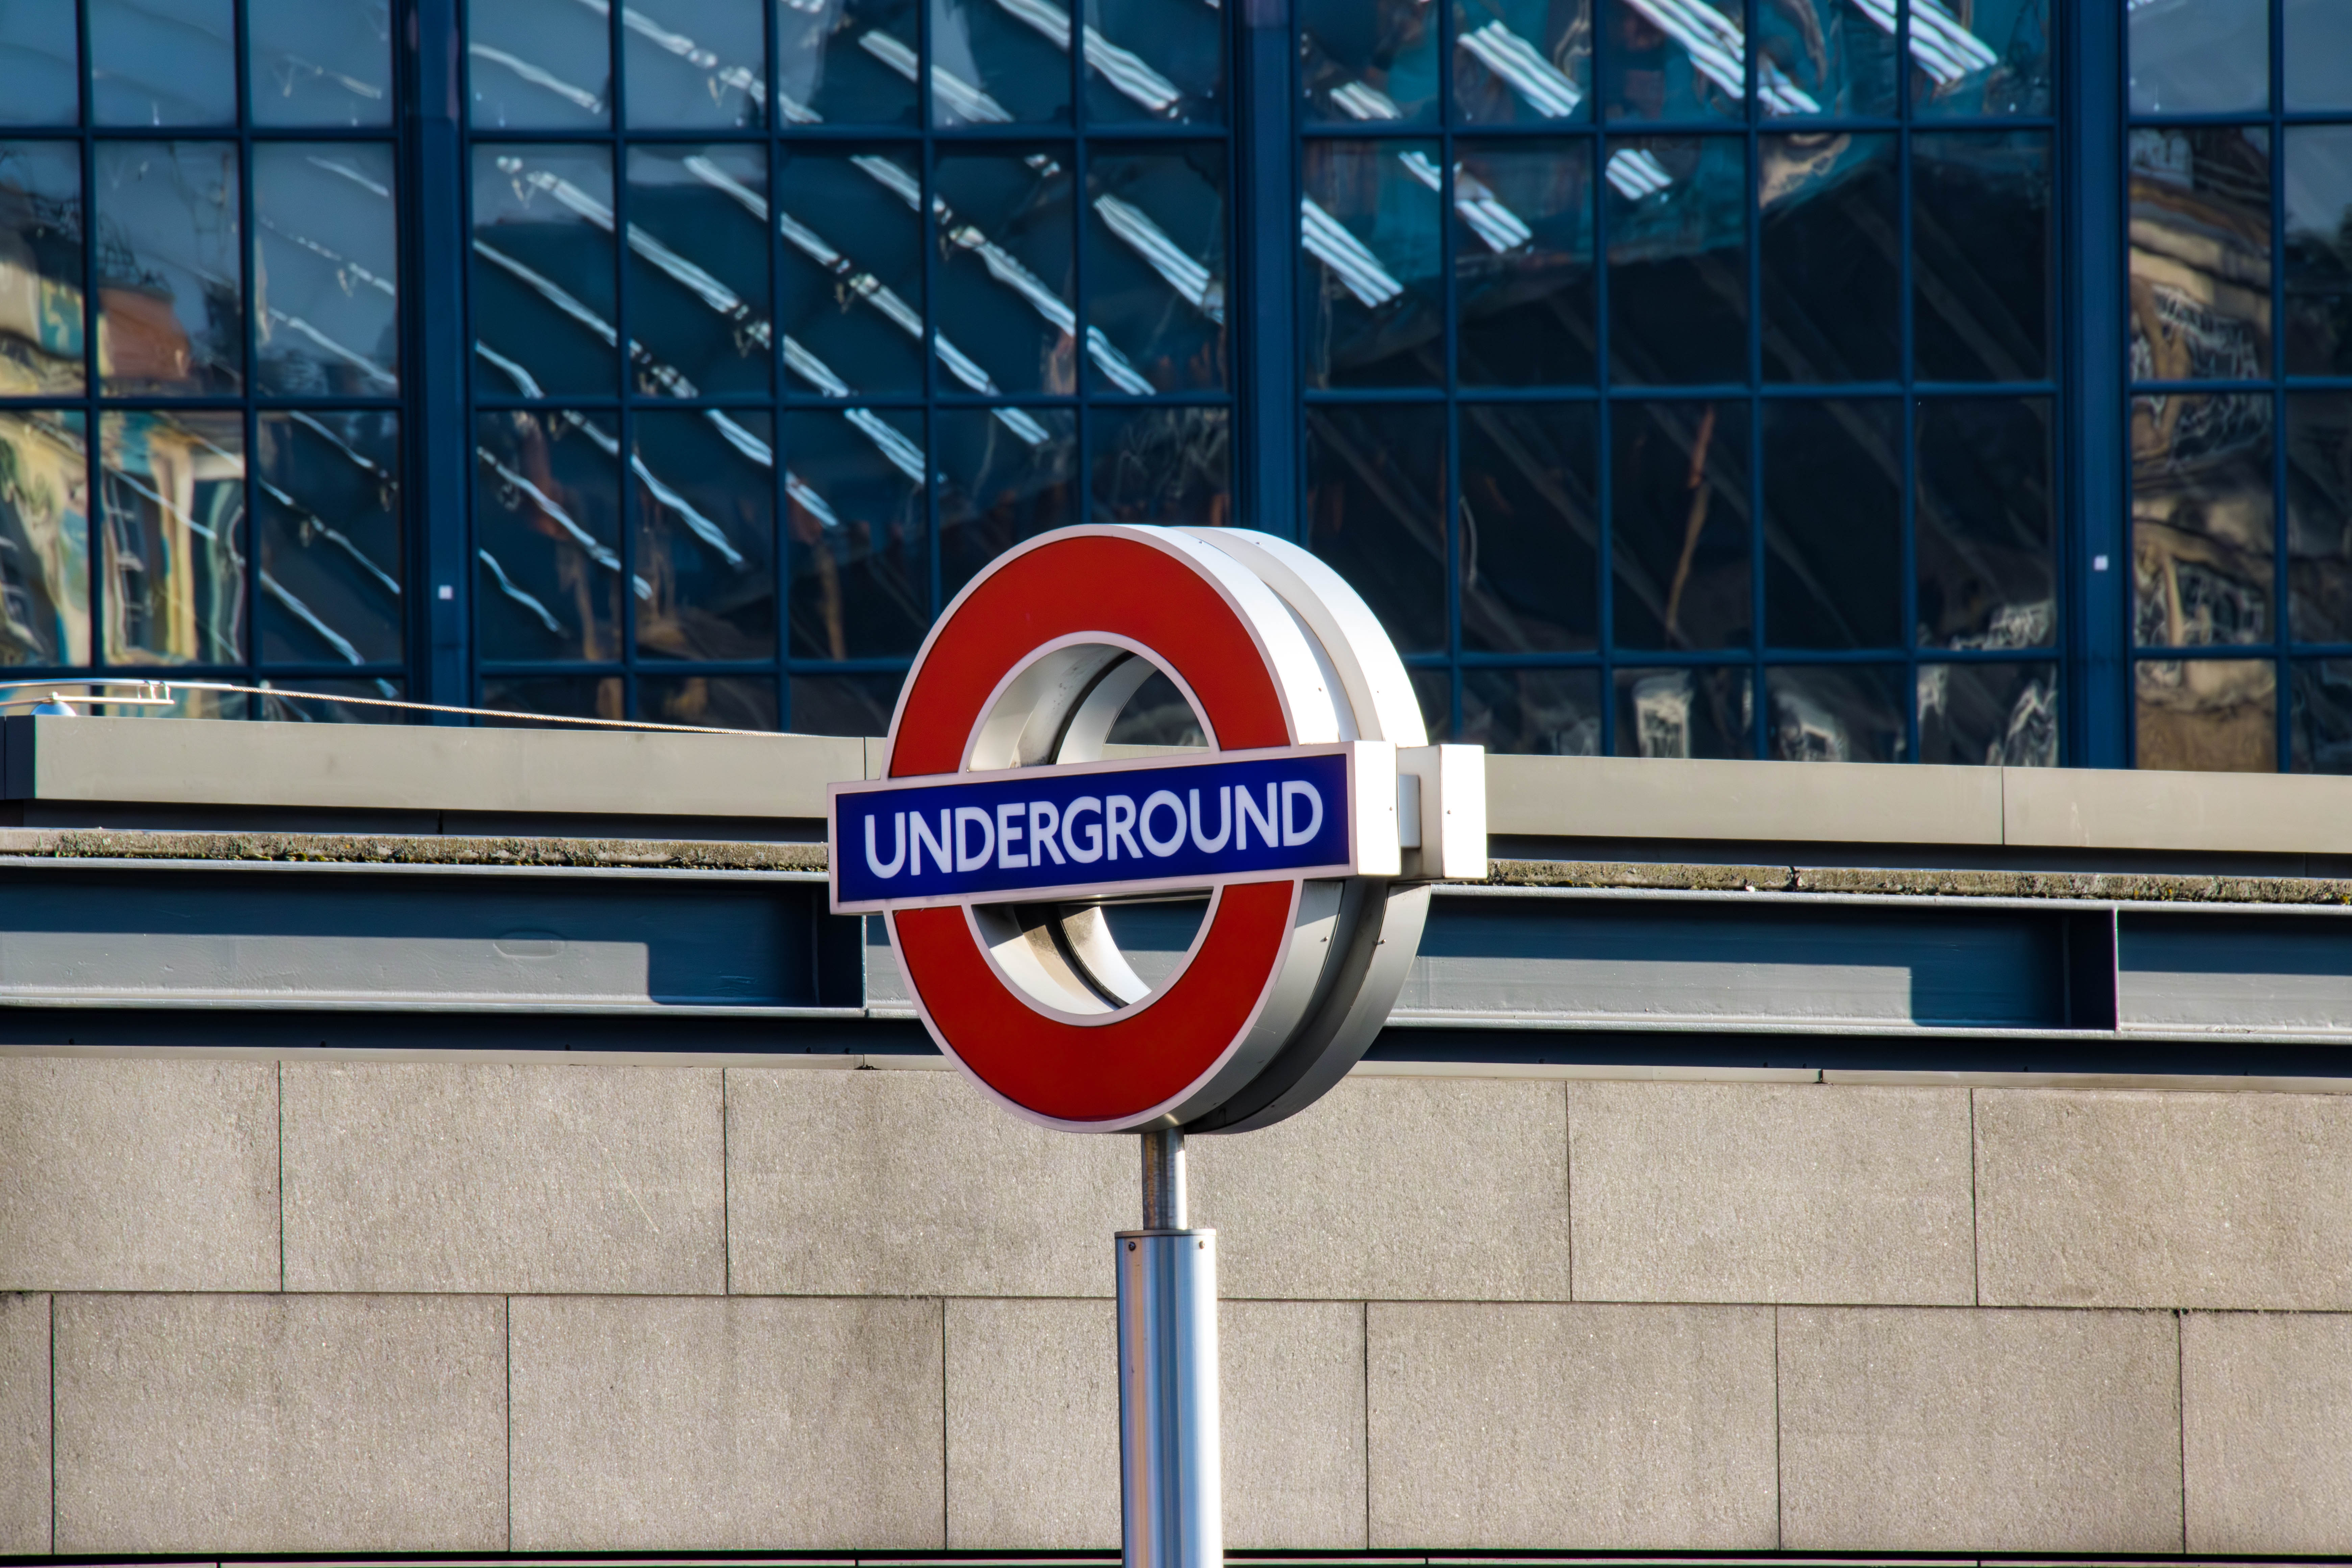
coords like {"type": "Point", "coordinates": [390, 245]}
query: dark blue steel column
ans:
{"type": "Point", "coordinates": [2097, 451]}
{"type": "Point", "coordinates": [1265, 331]}
{"type": "Point", "coordinates": [440, 446]}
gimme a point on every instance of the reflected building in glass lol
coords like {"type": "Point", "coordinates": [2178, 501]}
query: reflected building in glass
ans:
{"type": "Point", "coordinates": [1957, 381]}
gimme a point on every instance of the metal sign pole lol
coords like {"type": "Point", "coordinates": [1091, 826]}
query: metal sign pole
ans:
{"type": "Point", "coordinates": [1171, 1493]}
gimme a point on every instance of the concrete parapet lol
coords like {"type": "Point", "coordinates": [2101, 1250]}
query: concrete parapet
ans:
{"type": "Point", "coordinates": [2266, 1415]}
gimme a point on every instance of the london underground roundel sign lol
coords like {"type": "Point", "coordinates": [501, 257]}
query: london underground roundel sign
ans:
{"type": "Point", "coordinates": [1312, 822]}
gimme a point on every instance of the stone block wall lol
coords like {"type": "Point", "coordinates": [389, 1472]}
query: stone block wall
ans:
{"type": "Point", "coordinates": [373, 1308]}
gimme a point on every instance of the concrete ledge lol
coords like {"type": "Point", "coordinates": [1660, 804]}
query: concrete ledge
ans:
{"type": "Point", "coordinates": [1625, 797]}
{"type": "Point", "coordinates": [2086, 808]}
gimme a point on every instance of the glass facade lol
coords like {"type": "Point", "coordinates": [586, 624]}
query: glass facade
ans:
{"type": "Point", "coordinates": [1874, 380]}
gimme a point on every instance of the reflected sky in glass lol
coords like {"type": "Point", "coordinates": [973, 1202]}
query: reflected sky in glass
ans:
{"type": "Point", "coordinates": [1371, 61]}
{"type": "Point", "coordinates": [543, 291]}
{"type": "Point", "coordinates": [698, 268]}
{"type": "Point", "coordinates": [1517, 60]}
{"type": "Point", "coordinates": [325, 268]}
{"type": "Point", "coordinates": [40, 63]}
{"type": "Point", "coordinates": [172, 314]}
{"type": "Point", "coordinates": [852, 270]}
{"type": "Point", "coordinates": [321, 62]}
{"type": "Point", "coordinates": [537, 65]}
{"type": "Point", "coordinates": [162, 62]}
{"type": "Point", "coordinates": [328, 500]}
{"type": "Point", "coordinates": [999, 64]}
{"type": "Point", "coordinates": [2318, 55]}
{"type": "Point", "coordinates": [1150, 60]}
{"type": "Point", "coordinates": [695, 65]}
{"type": "Point", "coordinates": [1156, 266]}
{"type": "Point", "coordinates": [1370, 243]}
{"type": "Point", "coordinates": [1005, 294]}
{"type": "Point", "coordinates": [848, 64]}
{"type": "Point", "coordinates": [2200, 57]}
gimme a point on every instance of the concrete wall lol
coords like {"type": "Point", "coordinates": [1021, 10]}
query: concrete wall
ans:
{"type": "Point", "coordinates": [337, 1307]}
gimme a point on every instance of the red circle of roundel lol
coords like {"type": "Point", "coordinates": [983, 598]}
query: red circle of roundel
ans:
{"type": "Point", "coordinates": [1069, 588]}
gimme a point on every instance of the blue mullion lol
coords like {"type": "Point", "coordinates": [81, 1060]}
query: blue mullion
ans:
{"type": "Point", "coordinates": [1907, 367]}
{"type": "Point", "coordinates": [1604, 483]}
{"type": "Point", "coordinates": [1269, 263]}
{"type": "Point", "coordinates": [2282, 597]}
{"type": "Point", "coordinates": [93, 462]}
{"type": "Point", "coordinates": [1449, 319]}
{"type": "Point", "coordinates": [248, 237]}
{"type": "Point", "coordinates": [1758, 551]}
{"type": "Point", "coordinates": [624, 418]}
{"type": "Point", "coordinates": [779, 500]}
{"type": "Point", "coordinates": [434, 202]}
{"type": "Point", "coordinates": [1081, 298]}
{"type": "Point", "coordinates": [2095, 448]}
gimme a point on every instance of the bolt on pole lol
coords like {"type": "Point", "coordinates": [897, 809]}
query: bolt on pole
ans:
{"type": "Point", "coordinates": [1171, 1504]}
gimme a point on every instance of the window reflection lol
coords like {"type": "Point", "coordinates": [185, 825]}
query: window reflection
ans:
{"type": "Point", "coordinates": [546, 530]}
{"type": "Point", "coordinates": [694, 65]}
{"type": "Point", "coordinates": [336, 702]}
{"type": "Point", "coordinates": [1375, 509]}
{"type": "Point", "coordinates": [1156, 265]}
{"type": "Point", "coordinates": [2319, 250]}
{"type": "Point", "coordinates": [171, 505]}
{"type": "Point", "coordinates": [843, 704]}
{"type": "Point", "coordinates": [1680, 510]}
{"type": "Point", "coordinates": [1369, 230]}
{"type": "Point", "coordinates": [1677, 259]}
{"type": "Point", "coordinates": [1153, 59]}
{"type": "Point", "coordinates": [702, 493]}
{"type": "Point", "coordinates": [2321, 735]}
{"type": "Point", "coordinates": [162, 62]}
{"type": "Point", "coordinates": [1686, 713]}
{"type": "Point", "coordinates": [1523, 263]}
{"type": "Point", "coordinates": [860, 539]}
{"type": "Point", "coordinates": [170, 310]}
{"type": "Point", "coordinates": [1989, 715]}
{"type": "Point", "coordinates": [2200, 254]}
{"type": "Point", "coordinates": [2319, 516]}
{"type": "Point", "coordinates": [1838, 713]}
{"type": "Point", "coordinates": [1367, 60]}
{"type": "Point", "coordinates": [1550, 712]}
{"type": "Point", "coordinates": [1986, 523]}
{"type": "Point", "coordinates": [1522, 60]}
{"type": "Point", "coordinates": [40, 64]}
{"type": "Point", "coordinates": [1162, 465]}
{"type": "Point", "coordinates": [320, 62]}
{"type": "Point", "coordinates": [544, 298]}
{"type": "Point", "coordinates": [41, 269]}
{"type": "Point", "coordinates": [698, 269]}
{"type": "Point", "coordinates": [846, 62]}
{"type": "Point", "coordinates": [537, 65]}
{"type": "Point", "coordinates": [853, 272]}
{"type": "Point", "coordinates": [999, 486]}
{"type": "Point", "coordinates": [720, 702]}
{"type": "Point", "coordinates": [44, 538]}
{"type": "Point", "coordinates": [1530, 523]}
{"type": "Point", "coordinates": [2318, 55]}
{"type": "Point", "coordinates": [2206, 715]}
{"type": "Point", "coordinates": [325, 268]}
{"type": "Point", "coordinates": [332, 571]}
{"type": "Point", "coordinates": [1984, 57]}
{"type": "Point", "coordinates": [2200, 57]}
{"type": "Point", "coordinates": [995, 62]}
{"type": "Point", "coordinates": [1832, 241]}
{"type": "Point", "coordinates": [1837, 55]}
{"type": "Point", "coordinates": [1007, 294]}
{"type": "Point", "coordinates": [1981, 256]}
{"type": "Point", "coordinates": [1681, 60]}
{"type": "Point", "coordinates": [570, 696]}
{"type": "Point", "coordinates": [1833, 525]}
{"type": "Point", "coordinates": [2202, 521]}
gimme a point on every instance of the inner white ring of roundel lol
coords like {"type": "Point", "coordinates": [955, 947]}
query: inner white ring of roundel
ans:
{"type": "Point", "coordinates": [1351, 942]}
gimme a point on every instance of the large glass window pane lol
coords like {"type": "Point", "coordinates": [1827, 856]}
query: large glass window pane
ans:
{"type": "Point", "coordinates": [543, 291]}
{"type": "Point", "coordinates": [325, 268]}
{"type": "Point", "coordinates": [861, 555]}
{"type": "Point", "coordinates": [41, 269]}
{"type": "Point", "coordinates": [1989, 715]}
{"type": "Point", "coordinates": [1986, 523]}
{"type": "Point", "coordinates": [1988, 56]}
{"type": "Point", "coordinates": [993, 65]}
{"type": "Point", "coordinates": [1375, 311]}
{"type": "Point", "coordinates": [1009, 474]}
{"type": "Point", "coordinates": [852, 266]}
{"type": "Point", "coordinates": [1523, 263]}
{"type": "Point", "coordinates": [40, 63]}
{"type": "Point", "coordinates": [843, 704]}
{"type": "Point", "coordinates": [1981, 256]}
{"type": "Point", "coordinates": [171, 311]}
{"type": "Point", "coordinates": [1681, 60]}
{"type": "Point", "coordinates": [2318, 55]}
{"type": "Point", "coordinates": [162, 62]}
{"type": "Point", "coordinates": [171, 505]}
{"type": "Point", "coordinates": [1522, 60]}
{"type": "Point", "coordinates": [2321, 733]}
{"type": "Point", "coordinates": [1161, 465]}
{"type": "Point", "coordinates": [703, 491]}
{"type": "Point", "coordinates": [537, 65]}
{"type": "Point", "coordinates": [320, 62]}
{"type": "Point", "coordinates": [1156, 267]}
{"type": "Point", "coordinates": [1838, 713]}
{"type": "Point", "coordinates": [1677, 260]}
{"type": "Point", "coordinates": [1550, 712]}
{"type": "Point", "coordinates": [1832, 240]}
{"type": "Point", "coordinates": [2200, 254]}
{"type": "Point", "coordinates": [1367, 60]}
{"type": "Point", "coordinates": [2319, 517]}
{"type": "Point", "coordinates": [1678, 512]}
{"type": "Point", "coordinates": [1007, 315]}
{"type": "Point", "coordinates": [694, 65]}
{"type": "Point", "coordinates": [1686, 713]}
{"type": "Point", "coordinates": [698, 269]}
{"type": "Point", "coordinates": [720, 702]}
{"type": "Point", "coordinates": [569, 696]}
{"type": "Point", "coordinates": [2200, 57]}
{"type": "Point", "coordinates": [1153, 60]}
{"type": "Point", "coordinates": [2202, 521]}
{"type": "Point", "coordinates": [347, 701]}
{"type": "Point", "coordinates": [547, 528]}
{"type": "Point", "coordinates": [1827, 56]}
{"type": "Point", "coordinates": [1833, 525]}
{"type": "Point", "coordinates": [2206, 715]}
{"type": "Point", "coordinates": [1376, 509]}
{"type": "Point", "coordinates": [331, 568]}
{"type": "Point", "coordinates": [1531, 525]}
{"type": "Point", "coordinates": [2319, 250]}
{"type": "Point", "coordinates": [847, 63]}
{"type": "Point", "coordinates": [44, 538]}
